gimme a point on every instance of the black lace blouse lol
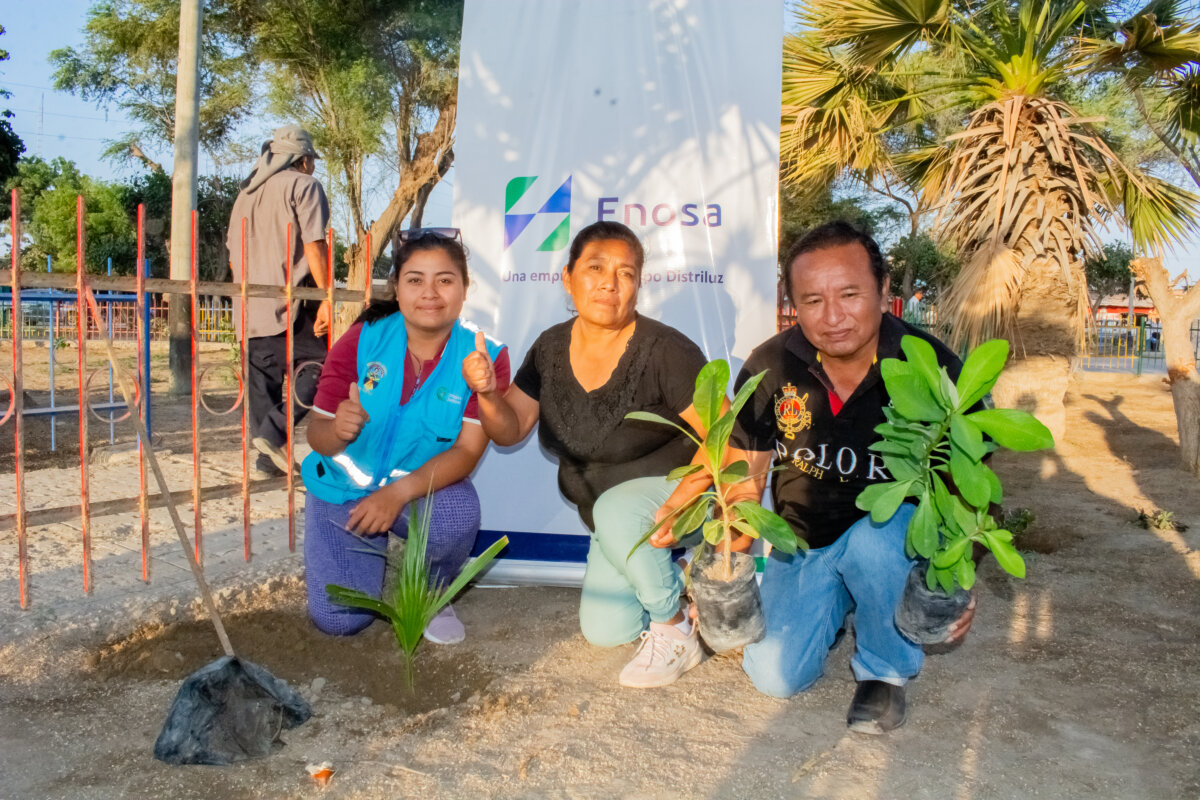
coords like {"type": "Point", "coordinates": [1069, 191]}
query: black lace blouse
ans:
{"type": "Point", "coordinates": [597, 448]}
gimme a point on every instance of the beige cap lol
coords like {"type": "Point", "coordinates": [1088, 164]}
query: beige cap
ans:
{"type": "Point", "coordinates": [293, 140]}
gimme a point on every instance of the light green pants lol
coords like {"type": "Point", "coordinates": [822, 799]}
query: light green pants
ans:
{"type": "Point", "coordinates": [622, 593]}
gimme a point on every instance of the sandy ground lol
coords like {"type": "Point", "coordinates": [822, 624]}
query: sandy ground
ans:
{"type": "Point", "coordinates": [1078, 682]}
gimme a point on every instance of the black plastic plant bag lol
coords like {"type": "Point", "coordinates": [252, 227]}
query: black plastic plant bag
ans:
{"type": "Point", "coordinates": [229, 711]}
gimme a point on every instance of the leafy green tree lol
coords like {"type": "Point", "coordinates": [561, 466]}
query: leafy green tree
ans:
{"type": "Point", "coordinates": [375, 77]}
{"type": "Point", "coordinates": [1109, 272]}
{"type": "Point", "coordinates": [801, 210]}
{"type": "Point", "coordinates": [108, 231]}
{"type": "Point", "coordinates": [11, 145]}
{"type": "Point", "coordinates": [127, 60]}
{"type": "Point", "coordinates": [916, 261]}
{"type": "Point", "coordinates": [368, 78]}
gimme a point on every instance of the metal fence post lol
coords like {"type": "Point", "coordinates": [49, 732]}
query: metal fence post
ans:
{"type": "Point", "coordinates": [1140, 344]}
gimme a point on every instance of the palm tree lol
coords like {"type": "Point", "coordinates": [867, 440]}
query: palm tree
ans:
{"type": "Point", "coordinates": [1020, 191]}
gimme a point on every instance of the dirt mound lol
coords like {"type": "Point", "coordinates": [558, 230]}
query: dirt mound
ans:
{"type": "Point", "coordinates": [282, 639]}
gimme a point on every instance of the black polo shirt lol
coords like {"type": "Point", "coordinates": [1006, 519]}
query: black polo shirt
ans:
{"type": "Point", "coordinates": [825, 460]}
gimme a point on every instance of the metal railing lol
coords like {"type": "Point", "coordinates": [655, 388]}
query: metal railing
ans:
{"type": "Point", "coordinates": [71, 310]}
{"type": "Point", "coordinates": [1117, 346]}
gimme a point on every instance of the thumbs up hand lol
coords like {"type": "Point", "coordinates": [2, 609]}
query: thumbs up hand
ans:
{"type": "Point", "coordinates": [350, 417]}
{"type": "Point", "coordinates": [477, 368]}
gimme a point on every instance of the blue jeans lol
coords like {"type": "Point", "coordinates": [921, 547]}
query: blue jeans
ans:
{"type": "Point", "coordinates": [806, 598]}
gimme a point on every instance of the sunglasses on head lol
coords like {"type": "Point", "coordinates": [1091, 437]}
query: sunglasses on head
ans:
{"type": "Point", "coordinates": [413, 234]}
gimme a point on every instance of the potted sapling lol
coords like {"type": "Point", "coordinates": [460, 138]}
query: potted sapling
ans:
{"type": "Point", "coordinates": [413, 601]}
{"type": "Point", "coordinates": [934, 447]}
{"type": "Point", "coordinates": [723, 585]}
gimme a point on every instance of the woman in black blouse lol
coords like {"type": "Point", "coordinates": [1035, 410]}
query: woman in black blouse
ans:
{"type": "Point", "coordinates": [578, 381]}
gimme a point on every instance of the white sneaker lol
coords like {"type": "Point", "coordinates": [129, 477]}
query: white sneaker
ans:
{"type": "Point", "coordinates": [445, 628]}
{"type": "Point", "coordinates": [664, 654]}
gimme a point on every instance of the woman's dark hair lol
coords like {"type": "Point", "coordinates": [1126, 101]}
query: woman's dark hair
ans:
{"type": "Point", "coordinates": [401, 253]}
{"type": "Point", "coordinates": [605, 231]}
{"type": "Point", "coordinates": [833, 234]}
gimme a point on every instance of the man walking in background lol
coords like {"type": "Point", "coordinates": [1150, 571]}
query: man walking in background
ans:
{"type": "Point", "coordinates": [279, 192]}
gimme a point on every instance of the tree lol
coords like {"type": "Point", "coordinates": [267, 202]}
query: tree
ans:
{"type": "Point", "coordinates": [11, 145]}
{"type": "Point", "coordinates": [1178, 351]}
{"type": "Point", "coordinates": [801, 210]}
{"type": "Point", "coordinates": [364, 76]}
{"type": "Point", "coordinates": [916, 261]}
{"type": "Point", "coordinates": [1155, 56]}
{"type": "Point", "coordinates": [48, 198]}
{"type": "Point", "coordinates": [1108, 273]}
{"type": "Point", "coordinates": [1020, 190]}
{"type": "Point", "coordinates": [127, 60]}
{"type": "Point", "coordinates": [372, 78]}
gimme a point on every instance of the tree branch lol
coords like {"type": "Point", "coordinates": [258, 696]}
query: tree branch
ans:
{"type": "Point", "coordinates": [1188, 164]}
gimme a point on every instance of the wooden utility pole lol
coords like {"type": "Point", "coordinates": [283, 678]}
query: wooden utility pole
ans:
{"type": "Point", "coordinates": [183, 189]}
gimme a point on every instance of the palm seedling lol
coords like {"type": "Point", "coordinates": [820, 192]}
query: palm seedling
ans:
{"type": "Point", "coordinates": [415, 599]}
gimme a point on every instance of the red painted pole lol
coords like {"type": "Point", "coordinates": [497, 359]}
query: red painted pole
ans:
{"type": "Point", "coordinates": [85, 516]}
{"type": "Point", "coordinates": [245, 407]}
{"type": "Point", "coordinates": [143, 368]}
{"type": "Point", "coordinates": [18, 404]}
{"type": "Point", "coordinates": [196, 505]}
{"type": "Point", "coordinates": [287, 396]}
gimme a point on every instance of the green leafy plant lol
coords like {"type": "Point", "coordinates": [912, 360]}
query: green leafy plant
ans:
{"type": "Point", "coordinates": [712, 508]}
{"type": "Point", "coordinates": [934, 447]}
{"type": "Point", "coordinates": [1159, 520]}
{"type": "Point", "coordinates": [414, 599]}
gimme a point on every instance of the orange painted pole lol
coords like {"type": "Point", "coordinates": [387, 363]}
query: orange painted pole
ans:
{"type": "Point", "coordinates": [143, 369]}
{"type": "Point", "coordinates": [17, 403]}
{"type": "Point", "coordinates": [289, 357]}
{"type": "Point", "coordinates": [85, 516]}
{"type": "Point", "coordinates": [196, 502]}
{"type": "Point", "coordinates": [245, 407]}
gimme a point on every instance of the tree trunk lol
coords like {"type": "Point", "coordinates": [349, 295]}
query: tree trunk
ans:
{"type": "Point", "coordinates": [425, 165]}
{"type": "Point", "coordinates": [1176, 310]}
{"type": "Point", "coordinates": [418, 212]}
{"type": "Point", "coordinates": [1044, 344]}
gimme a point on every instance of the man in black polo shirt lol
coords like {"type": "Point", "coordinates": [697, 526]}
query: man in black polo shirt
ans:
{"type": "Point", "coordinates": [814, 416]}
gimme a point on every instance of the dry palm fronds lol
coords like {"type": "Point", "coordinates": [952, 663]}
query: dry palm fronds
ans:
{"type": "Point", "coordinates": [980, 304]}
{"type": "Point", "coordinates": [1025, 184]}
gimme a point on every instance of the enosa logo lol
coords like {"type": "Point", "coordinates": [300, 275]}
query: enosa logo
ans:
{"type": "Point", "coordinates": [559, 203]}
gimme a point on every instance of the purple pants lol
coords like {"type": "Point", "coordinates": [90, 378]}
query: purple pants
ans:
{"type": "Point", "coordinates": [334, 555]}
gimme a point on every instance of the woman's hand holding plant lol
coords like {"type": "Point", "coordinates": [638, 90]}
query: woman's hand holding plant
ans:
{"type": "Point", "coordinates": [350, 417]}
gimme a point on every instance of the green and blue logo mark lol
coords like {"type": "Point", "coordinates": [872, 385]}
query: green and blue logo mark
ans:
{"type": "Point", "coordinates": [559, 203]}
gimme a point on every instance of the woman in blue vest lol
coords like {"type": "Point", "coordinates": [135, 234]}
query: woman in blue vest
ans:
{"type": "Point", "coordinates": [394, 417]}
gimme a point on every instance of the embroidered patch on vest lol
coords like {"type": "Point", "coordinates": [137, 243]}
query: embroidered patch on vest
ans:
{"type": "Point", "coordinates": [791, 414]}
{"type": "Point", "coordinates": [447, 396]}
{"type": "Point", "coordinates": [375, 373]}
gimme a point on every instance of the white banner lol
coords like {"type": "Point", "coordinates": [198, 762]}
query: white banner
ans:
{"type": "Point", "coordinates": [663, 115]}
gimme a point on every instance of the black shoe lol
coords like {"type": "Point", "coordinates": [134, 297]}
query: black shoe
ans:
{"type": "Point", "coordinates": [263, 468]}
{"type": "Point", "coordinates": [877, 708]}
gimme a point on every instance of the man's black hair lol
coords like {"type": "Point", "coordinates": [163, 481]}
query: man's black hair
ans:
{"type": "Point", "coordinates": [833, 234]}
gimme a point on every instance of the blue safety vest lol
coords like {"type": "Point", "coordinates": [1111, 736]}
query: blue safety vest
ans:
{"type": "Point", "coordinates": [399, 438]}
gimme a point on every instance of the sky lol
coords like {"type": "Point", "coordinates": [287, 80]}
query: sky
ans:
{"type": "Point", "coordinates": [56, 124]}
